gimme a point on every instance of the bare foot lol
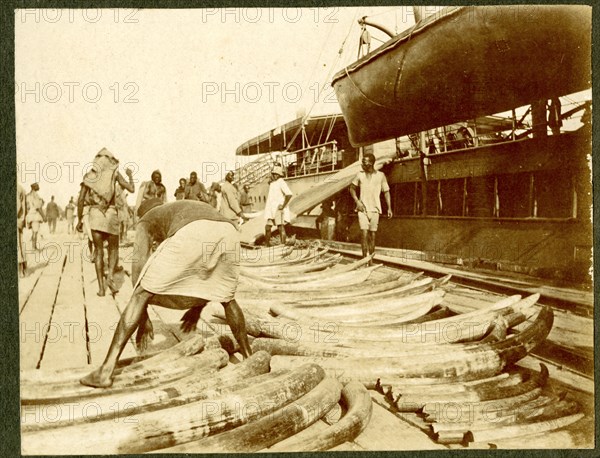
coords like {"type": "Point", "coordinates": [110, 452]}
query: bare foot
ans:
{"type": "Point", "coordinates": [111, 285]}
{"type": "Point", "coordinates": [101, 293]}
{"type": "Point", "coordinates": [97, 380]}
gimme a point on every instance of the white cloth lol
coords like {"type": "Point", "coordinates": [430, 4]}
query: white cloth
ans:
{"type": "Point", "coordinates": [371, 186]}
{"type": "Point", "coordinates": [34, 204]}
{"type": "Point", "coordinates": [200, 260]}
{"type": "Point", "coordinates": [278, 189]}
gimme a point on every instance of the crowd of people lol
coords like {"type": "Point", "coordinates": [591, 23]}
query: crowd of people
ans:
{"type": "Point", "coordinates": [32, 213]}
{"type": "Point", "coordinates": [224, 196]}
{"type": "Point", "coordinates": [172, 267]}
{"type": "Point", "coordinates": [105, 216]}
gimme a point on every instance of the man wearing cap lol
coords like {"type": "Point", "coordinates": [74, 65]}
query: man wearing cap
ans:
{"type": "Point", "coordinates": [196, 261]}
{"type": "Point", "coordinates": [230, 205]}
{"type": "Point", "coordinates": [277, 211]}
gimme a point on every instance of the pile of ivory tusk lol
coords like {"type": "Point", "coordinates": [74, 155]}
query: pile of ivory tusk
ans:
{"type": "Point", "coordinates": [188, 399]}
{"type": "Point", "coordinates": [394, 334]}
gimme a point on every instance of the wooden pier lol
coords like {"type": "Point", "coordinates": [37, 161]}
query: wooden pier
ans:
{"type": "Point", "coordinates": [64, 324]}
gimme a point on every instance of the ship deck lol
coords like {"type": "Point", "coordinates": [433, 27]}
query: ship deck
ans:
{"type": "Point", "coordinates": [64, 324]}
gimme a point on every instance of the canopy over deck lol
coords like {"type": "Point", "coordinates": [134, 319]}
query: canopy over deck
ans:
{"type": "Point", "coordinates": [289, 137]}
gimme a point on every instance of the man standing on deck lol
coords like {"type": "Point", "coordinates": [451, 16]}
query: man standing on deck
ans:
{"type": "Point", "coordinates": [245, 199]}
{"type": "Point", "coordinates": [197, 261]}
{"type": "Point", "coordinates": [277, 211]}
{"type": "Point", "coordinates": [195, 190]}
{"type": "Point", "coordinates": [230, 205]}
{"type": "Point", "coordinates": [372, 183]}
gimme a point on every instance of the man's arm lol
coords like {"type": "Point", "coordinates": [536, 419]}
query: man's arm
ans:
{"type": "Point", "coordinates": [388, 202]}
{"type": "Point", "coordinates": [129, 186]}
{"type": "Point", "coordinates": [286, 200]}
{"type": "Point", "coordinates": [203, 194]}
{"type": "Point", "coordinates": [285, 189]}
{"type": "Point", "coordinates": [385, 187]}
{"type": "Point", "coordinates": [359, 205]}
{"type": "Point", "coordinates": [148, 191]}
{"type": "Point", "coordinates": [41, 210]}
{"type": "Point", "coordinates": [81, 201]}
{"type": "Point", "coordinates": [142, 249]}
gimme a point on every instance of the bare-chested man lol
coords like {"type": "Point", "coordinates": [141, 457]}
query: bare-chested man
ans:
{"type": "Point", "coordinates": [196, 261]}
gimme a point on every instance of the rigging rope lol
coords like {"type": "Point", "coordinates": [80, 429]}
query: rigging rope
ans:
{"type": "Point", "coordinates": [328, 77]}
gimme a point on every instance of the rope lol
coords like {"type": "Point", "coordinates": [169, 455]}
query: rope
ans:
{"type": "Point", "coordinates": [331, 125]}
{"type": "Point", "coordinates": [320, 53]}
{"type": "Point", "coordinates": [341, 50]}
{"type": "Point", "coordinates": [322, 129]}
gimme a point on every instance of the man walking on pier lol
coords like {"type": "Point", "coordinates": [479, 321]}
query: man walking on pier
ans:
{"type": "Point", "coordinates": [52, 215]}
{"type": "Point", "coordinates": [70, 216]}
{"type": "Point", "coordinates": [35, 213]}
{"type": "Point", "coordinates": [196, 261]}
{"type": "Point", "coordinates": [372, 183]}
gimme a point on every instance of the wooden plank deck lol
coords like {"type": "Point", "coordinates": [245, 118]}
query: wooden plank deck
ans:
{"type": "Point", "coordinates": [64, 324]}
{"type": "Point", "coordinates": [68, 318]}
{"type": "Point", "coordinates": [35, 320]}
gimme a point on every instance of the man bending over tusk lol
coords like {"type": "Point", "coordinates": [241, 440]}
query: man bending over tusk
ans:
{"type": "Point", "coordinates": [197, 261]}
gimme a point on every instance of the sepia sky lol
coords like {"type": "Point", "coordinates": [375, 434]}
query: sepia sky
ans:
{"type": "Point", "coordinates": [175, 90]}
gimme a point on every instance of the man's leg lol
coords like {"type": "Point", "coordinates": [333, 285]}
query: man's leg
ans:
{"type": "Point", "coordinates": [282, 234]}
{"type": "Point", "coordinates": [98, 256]}
{"type": "Point", "coordinates": [268, 235]}
{"type": "Point", "coordinates": [372, 242]}
{"type": "Point", "coordinates": [236, 321]}
{"type": "Point", "coordinates": [364, 242]}
{"type": "Point", "coordinates": [113, 259]}
{"type": "Point", "coordinates": [103, 376]}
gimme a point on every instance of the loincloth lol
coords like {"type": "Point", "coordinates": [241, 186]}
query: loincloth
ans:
{"type": "Point", "coordinates": [200, 260]}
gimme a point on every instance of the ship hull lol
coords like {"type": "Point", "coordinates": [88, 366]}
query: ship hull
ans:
{"type": "Point", "coordinates": [463, 63]}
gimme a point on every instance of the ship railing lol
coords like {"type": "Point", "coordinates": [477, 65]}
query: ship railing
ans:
{"type": "Point", "coordinates": [320, 158]}
{"type": "Point", "coordinates": [492, 130]}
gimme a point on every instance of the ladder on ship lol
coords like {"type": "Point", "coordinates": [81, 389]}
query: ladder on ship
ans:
{"type": "Point", "coordinates": [254, 172]}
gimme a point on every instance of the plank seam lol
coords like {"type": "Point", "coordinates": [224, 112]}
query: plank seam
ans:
{"type": "Point", "coordinates": [85, 315]}
{"type": "Point", "coordinates": [30, 293]}
{"type": "Point", "coordinates": [39, 363]}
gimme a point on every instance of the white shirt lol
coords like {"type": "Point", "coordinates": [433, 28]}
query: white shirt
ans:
{"type": "Point", "coordinates": [371, 186]}
{"type": "Point", "coordinates": [277, 191]}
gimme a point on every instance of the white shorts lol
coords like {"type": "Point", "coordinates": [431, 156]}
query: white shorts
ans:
{"type": "Point", "coordinates": [368, 221]}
